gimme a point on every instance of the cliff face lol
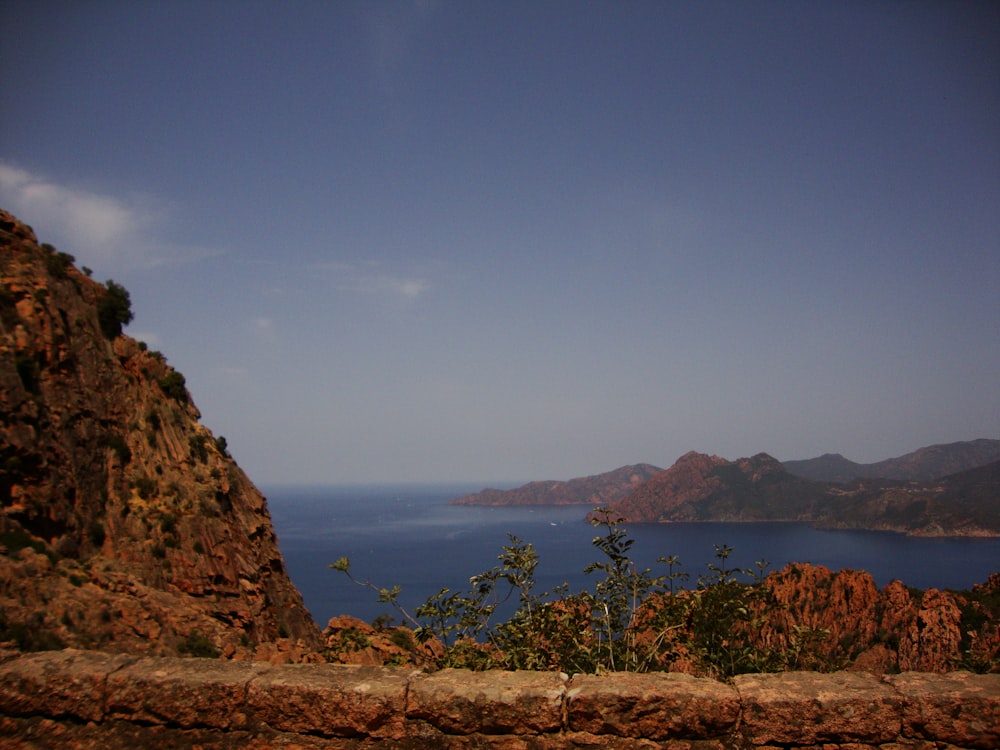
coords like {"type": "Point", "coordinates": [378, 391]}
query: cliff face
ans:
{"type": "Point", "coordinates": [125, 525]}
{"type": "Point", "coordinates": [600, 489]}
{"type": "Point", "coordinates": [840, 620]}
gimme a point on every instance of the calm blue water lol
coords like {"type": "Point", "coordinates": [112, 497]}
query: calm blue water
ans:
{"type": "Point", "coordinates": [410, 536]}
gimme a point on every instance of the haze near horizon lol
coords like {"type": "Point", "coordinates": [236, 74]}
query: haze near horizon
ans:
{"type": "Point", "coordinates": [440, 241]}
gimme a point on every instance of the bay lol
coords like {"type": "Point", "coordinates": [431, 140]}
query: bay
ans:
{"type": "Point", "coordinates": [408, 535]}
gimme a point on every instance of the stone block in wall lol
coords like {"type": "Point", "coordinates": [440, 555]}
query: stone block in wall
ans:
{"type": "Point", "coordinates": [331, 700]}
{"type": "Point", "coordinates": [807, 708]}
{"type": "Point", "coordinates": [494, 702]}
{"type": "Point", "coordinates": [58, 683]}
{"type": "Point", "coordinates": [655, 706]}
{"type": "Point", "coordinates": [182, 692]}
{"type": "Point", "coordinates": [959, 708]}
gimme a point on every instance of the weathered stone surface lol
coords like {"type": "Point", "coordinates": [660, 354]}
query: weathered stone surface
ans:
{"type": "Point", "coordinates": [655, 706]}
{"type": "Point", "coordinates": [89, 700]}
{"type": "Point", "coordinates": [36, 733]}
{"type": "Point", "coordinates": [806, 708]}
{"type": "Point", "coordinates": [57, 684]}
{"type": "Point", "coordinates": [960, 708]}
{"type": "Point", "coordinates": [183, 692]}
{"type": "Point", "coordinates": [330, 700]}
{"type": "Point", "coordinates": [494, 702]}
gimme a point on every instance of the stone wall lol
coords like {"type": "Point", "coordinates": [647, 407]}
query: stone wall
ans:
{"type": "Point", "coordinates": [86, 699]}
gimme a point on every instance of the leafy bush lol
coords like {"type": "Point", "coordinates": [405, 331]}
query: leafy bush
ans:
{"type": "Point", "coordinates": [57, 263]}
{"type": "Point", "coordinates": [633, 620]}
{"type": "Point", "coordinates": [198, 445]}
{"type": "Point", "coordinates": [174, 386]}
{"type": "Point", "coordinates": [198, 645]}
{"type": "Point", "coordinates": [114, 309]}
{"type": "Point", "coordinates": [15, 540]}
{"type": "Point", "coordinates": [30, 636]}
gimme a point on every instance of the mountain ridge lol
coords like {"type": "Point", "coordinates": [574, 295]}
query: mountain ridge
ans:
{"type": "Point", "coordinates": [702, 487]}
{"type": "Point", "coordinates": [708, 488]}
{"type": "Point", "coordinates": [597, 489]}
{"type": "Point", "coordinates": [923, 464]}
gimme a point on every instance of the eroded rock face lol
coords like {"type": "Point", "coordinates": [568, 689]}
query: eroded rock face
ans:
{"type": "Point", "coordinates": [832, 620]}
{"type": "Point", "coordinates": [125, 525]}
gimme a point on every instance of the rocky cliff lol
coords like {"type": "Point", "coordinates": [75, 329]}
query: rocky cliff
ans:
{"type": "Point", "coordinates": [600, 489]}
{"type": "Point", "coordinates": [840, 620]}
{"type": "Point", "coordinates": [125, 525]}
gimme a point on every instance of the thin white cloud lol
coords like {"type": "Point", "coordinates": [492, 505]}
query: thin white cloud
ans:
{"type": "Point", "coordinates": [265, 329]}
{"type": "Point", "coordinates": [98, 220]}
{"type": "Point", "coordinates": [394, 30]}
{"type": "Point", "coordinates": [96, 227]}
{"type": "Point", "coordinates": [409, 288]}
{"type": "Point", "coordinates": [364, 277]}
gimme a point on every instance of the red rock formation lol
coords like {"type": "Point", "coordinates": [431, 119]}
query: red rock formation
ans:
{"type": "Point", "coordinates": [124, 523]}
{"type": "Point", "coordinates": [826, 620]}
{"type": "Point", "coordinates": [349, 640]}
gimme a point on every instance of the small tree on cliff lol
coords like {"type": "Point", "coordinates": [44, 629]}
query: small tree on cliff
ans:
{"type": "Point", "coordinates": [114, 309]}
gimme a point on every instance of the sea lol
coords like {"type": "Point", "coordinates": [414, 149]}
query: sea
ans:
{"type": "Point", "coordinates": [410, 536]}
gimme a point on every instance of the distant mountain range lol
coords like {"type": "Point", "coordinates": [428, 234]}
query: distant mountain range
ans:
{"type": "Point", "coordinates": [601, 489]}
{"type": "Point", "coordinates": [922, 465]}
{"type": "Point", "coordinates": [698, 487]}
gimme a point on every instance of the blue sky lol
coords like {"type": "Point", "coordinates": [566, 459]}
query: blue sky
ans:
{"type": "Point", "coordinates": [503, 241]}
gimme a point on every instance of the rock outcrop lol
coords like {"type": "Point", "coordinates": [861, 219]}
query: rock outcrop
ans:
{"type": "Point", "coordinates": [839, 620]}
{"type": "Point", "coordinates": [124, 523]}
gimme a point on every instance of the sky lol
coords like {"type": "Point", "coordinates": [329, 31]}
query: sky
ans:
{"type": "Point", "coordinates": [509, 241]}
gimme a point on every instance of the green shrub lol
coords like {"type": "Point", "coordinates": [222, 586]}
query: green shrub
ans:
{"type": "Point", "coordinates": [174, 386]}
{"type": "Point", "coordinates": [15, 540]}
{"type": "Point", "coordinates": [31, 636]}
{"type": "Point", "coordinates": [199, 449]}
{"type": "Point", "coordinates": [198, 645]}
{"type": "Point", "coordinates": [114, 309]}
{"type": "Point", "coordinates": [57, 263]}
{"type": "Point", "coordinates": [633, 620]}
